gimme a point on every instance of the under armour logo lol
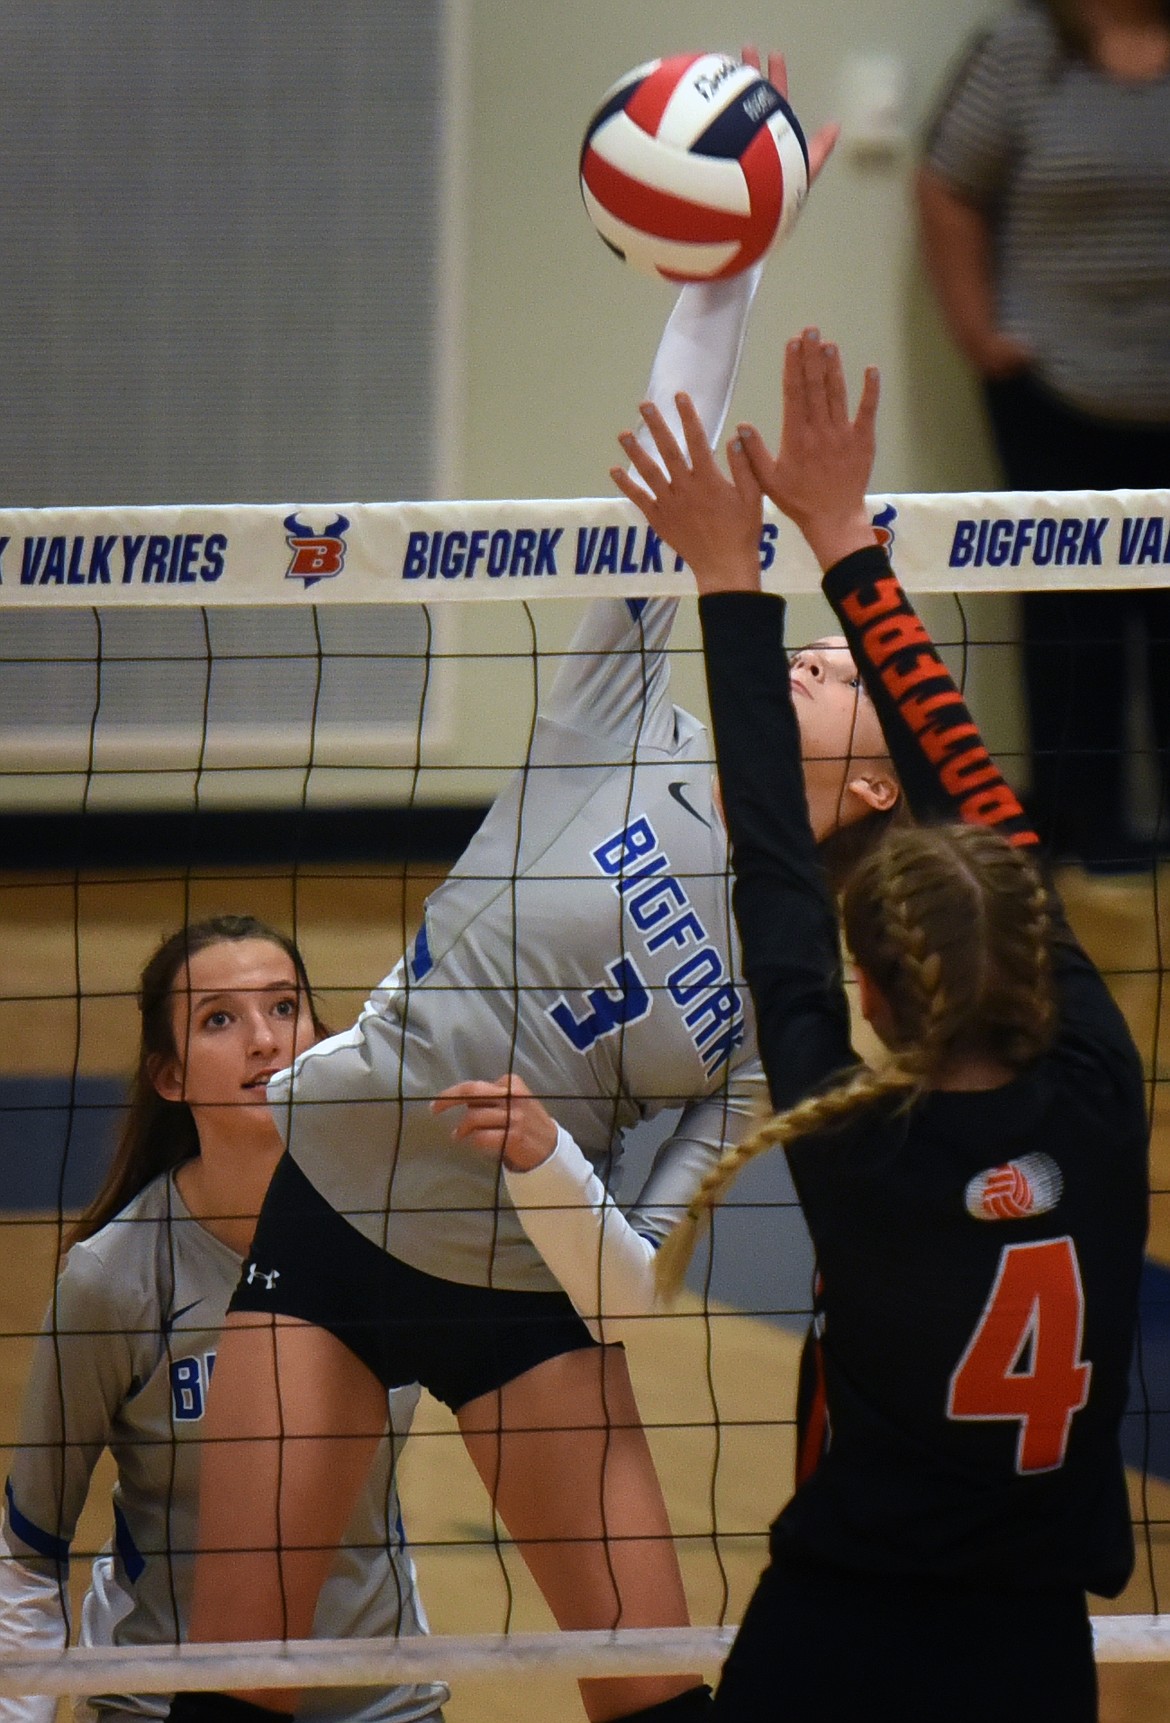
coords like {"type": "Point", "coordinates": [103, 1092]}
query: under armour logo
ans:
{"type": "Point", "coordinates": [269, 1277]}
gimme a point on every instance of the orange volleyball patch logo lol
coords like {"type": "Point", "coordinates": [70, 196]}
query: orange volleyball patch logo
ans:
{"type": "Point", "coordinates": [1029, 1186]}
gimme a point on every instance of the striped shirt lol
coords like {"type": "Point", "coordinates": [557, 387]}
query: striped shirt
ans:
{"type": "Point", "coordinates": [1072, 168]}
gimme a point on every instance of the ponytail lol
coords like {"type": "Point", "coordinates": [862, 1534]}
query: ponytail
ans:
{"type": "Point", "coordinates": [953, 925]}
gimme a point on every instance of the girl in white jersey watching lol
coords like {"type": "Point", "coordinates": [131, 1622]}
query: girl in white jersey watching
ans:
{"type": "Point", "coordinates": [130, 1339]}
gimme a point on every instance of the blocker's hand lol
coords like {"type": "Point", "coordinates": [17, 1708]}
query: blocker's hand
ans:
{"type": "Point", "coordinates": [502, 1118]}
{"type": "Point", "coordinates": [820, 146]}
{"type": "Point", "coordinates": [819, 474]}
{"type": "Point", "coordinates": [713, 523]}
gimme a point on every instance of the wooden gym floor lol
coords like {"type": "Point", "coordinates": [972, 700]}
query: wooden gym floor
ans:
{"type": "Point", "coordinates": [723, 1486]}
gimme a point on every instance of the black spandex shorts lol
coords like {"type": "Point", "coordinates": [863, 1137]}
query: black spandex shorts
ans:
{"type": "Point", "coordinates": [459, 1341]}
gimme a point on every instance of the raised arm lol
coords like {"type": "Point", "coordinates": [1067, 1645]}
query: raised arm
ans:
{"type": "Point", "coordinates": [787, 924]}
{"type": "Point", "coordinates": [614, 679]}
{"type": "Point", "coordinates": [937, 750]}
{"type": "Point", "coordinates": [818, 477]}
{"type": "Point", "coordinates": [615, 675]}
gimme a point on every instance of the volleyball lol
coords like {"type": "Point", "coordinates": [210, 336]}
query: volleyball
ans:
{"type": "Point", "coordinates": [693, 166]}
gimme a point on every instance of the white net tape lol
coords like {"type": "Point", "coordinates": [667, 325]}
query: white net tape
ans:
{"type": "Point", "coordinates": [438, 1657]}
{"type": "Point", "coordinates": [277, 554]}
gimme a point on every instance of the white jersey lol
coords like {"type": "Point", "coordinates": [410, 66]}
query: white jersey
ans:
{"type": "Point", "coordinates": [123, 1362]}
{"type": "Point", "coordinates": [584, 941]}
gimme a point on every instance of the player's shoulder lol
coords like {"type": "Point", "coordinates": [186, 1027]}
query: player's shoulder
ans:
{"type": "Point", "coordinates": [1015, 50]}
{"type": "Point", "coordinates": [113, 1272]}
{"type": "Point", "coordinates": [1025, 39]}
{"type": "Point", "coordinates": [133, 1225]}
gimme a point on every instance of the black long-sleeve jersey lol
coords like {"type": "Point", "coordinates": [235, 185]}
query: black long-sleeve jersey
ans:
{"type": "Point", "coordinates": [979, 1253]}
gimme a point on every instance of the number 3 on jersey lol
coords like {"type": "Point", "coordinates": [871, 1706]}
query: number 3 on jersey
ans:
{"type": "Point", "coordinates": [1023, 1362]}
{"type": "Point", "coordinates": [628, 1002]}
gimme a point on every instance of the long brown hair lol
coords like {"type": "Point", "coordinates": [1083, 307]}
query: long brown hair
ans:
{"type": "Point", "coordinates": [953, 926]}
{"type": "Point", "coordinates": [1068, 19]}
{"type": "Point", "coordinates": [158, 1135]}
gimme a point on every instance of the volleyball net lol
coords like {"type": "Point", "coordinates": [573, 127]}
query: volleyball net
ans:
{"type": "Point", "coordinates": [302, 711]}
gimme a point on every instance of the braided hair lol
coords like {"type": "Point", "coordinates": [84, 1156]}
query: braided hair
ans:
{"type": "Point", "coordinates": [952, 925]}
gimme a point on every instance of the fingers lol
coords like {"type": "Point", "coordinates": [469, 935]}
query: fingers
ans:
{"type": "Point", "coordinates": [640, 458]}
{"type": "Point", "coordinates": [479, 1093]}
{"type": "Point", "coordinates": [649, 469]}
{"type": "Point", "coordinates": [815, 365]}
{"type": "Point", "coordinates": [755, 454]}
{"type": "Point", "coordinates": [821, 144]}
{"type": "Point", "coordinates": [820, 148]}
{"type": "Point", "coordinates": [698, 458]}
{"type": "Point", "coordinates": [665, 442]}
{"type": "Point", "coordinates": [868, 405]}
{"type": "Point", "coordinates": [698, 448]}
{"type": "Point", "coordinates": [459, 1094]}
{"type": "Point", "coordinates": [742, 468]}
{"type": "Point", "coordinates": [777, 73]}
{"type": "Point", "coordinates": [634, 493]}
{"type": "Point", "coordinates": [482, 1117]}
{"type": "Point", "coordinates": [793, 387]}
{"type": "Point", "coordinates": [816, 390]}
{"type": "Point", "coordinates": [836, 394]}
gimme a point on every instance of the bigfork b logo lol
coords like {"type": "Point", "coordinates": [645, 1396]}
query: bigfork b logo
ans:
{"type": "Point", "coordinates": [883, 523]}
{"type": "Point", "coordinates": [316, 556]}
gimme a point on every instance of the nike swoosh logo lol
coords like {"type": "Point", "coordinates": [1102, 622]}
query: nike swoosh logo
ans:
{"type": "Point", "coordinates": [168, 1322]}
{"type": "Point", "coordinates": [676, 790]}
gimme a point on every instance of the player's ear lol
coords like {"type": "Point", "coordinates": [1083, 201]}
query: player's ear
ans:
{"type": "Point", "coordinates": [873, 1005]}
{"type": "Point", "coordinates": [877, 787]}
{"type": "Point", "coordinates": [166, 1073]}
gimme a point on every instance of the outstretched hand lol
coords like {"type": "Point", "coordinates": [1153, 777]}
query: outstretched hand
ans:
{"type": "Point", "coordinates": [712, 522]}
{"type": "Point", "coordinates": [820, 473]}
{"type": "Point", "coordinates": [503, 1119]}
{"type": "Point", "coordinates": [820, 146]}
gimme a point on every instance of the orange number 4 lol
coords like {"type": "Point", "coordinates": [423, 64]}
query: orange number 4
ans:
{"type": "Point", "coordinates": [1023, 1361]}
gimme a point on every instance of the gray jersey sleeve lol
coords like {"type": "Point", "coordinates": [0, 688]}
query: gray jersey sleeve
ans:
{"type": "Point", "coordinates": [614, 677]}
{"type": "Point", "coordinates": [82, 1371]}
{"type": "Point", "coordinates": [706, 1128]}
